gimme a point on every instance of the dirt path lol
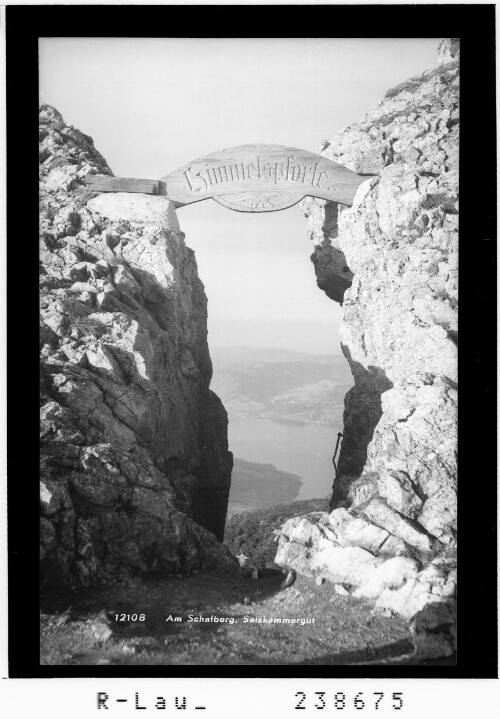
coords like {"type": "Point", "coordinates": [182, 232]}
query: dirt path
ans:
{"type": "Point", "coordinates": [344, 630]}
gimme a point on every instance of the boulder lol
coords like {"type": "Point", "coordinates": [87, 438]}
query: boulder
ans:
{"type": "Point", "coordinates": [392, 574]}
{"type": "Point", "coordinates": [433, 631]}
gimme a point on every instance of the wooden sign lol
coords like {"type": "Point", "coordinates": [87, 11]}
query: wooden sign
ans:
{"type": "Point", "coordinates": [247, 178]}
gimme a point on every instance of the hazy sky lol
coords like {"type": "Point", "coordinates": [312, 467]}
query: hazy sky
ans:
{"type": "Point", "coordinates": [152, 105]}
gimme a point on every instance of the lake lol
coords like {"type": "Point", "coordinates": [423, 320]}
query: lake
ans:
{"type": "Point", "coordinates": [306, 450]}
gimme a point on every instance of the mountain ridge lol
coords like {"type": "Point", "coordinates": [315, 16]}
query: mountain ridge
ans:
{"type": "Point", "coordinates": [248, 354]}
{"type": "Point", "coordinates": [281, 385]}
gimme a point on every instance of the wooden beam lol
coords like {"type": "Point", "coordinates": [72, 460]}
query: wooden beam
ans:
{"type": "Point", "coordinates": [247, 178]}
{"type": "Point", "coordinates": [105, 183]}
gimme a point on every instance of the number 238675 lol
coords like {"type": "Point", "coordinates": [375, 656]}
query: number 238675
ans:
{"type": "Point", "coordinates": [360, 701]}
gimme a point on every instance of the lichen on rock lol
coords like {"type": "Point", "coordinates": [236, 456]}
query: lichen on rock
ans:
{"type": "Point", "coordinates": [135, 464]}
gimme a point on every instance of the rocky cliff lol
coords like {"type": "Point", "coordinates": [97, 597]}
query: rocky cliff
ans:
{"type": "Point", "coordinates": [135, 464]}
{"type": "Point", "coordinates": [391, 262]}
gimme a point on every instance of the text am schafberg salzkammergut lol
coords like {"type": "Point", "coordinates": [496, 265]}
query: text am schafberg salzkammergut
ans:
{"type": "Point", "coordinates": [245, 619]}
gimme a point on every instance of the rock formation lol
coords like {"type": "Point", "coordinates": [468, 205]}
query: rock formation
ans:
{"type": "Point", "coordinates": [391, 261]}
{"type": "Point", "coordinates": [135, 465]}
